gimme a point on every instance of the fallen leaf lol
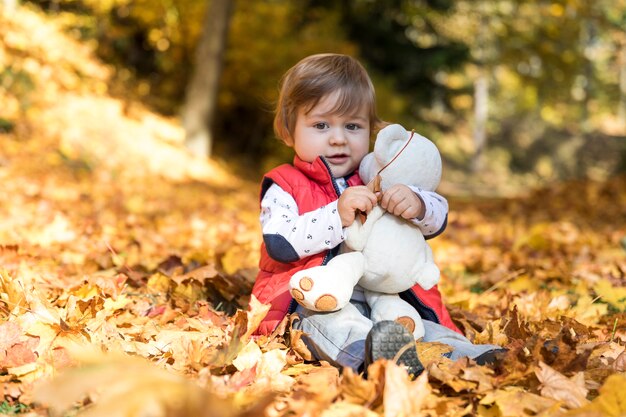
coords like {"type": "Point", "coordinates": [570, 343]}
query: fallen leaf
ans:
{"type": "Point", "coordinates": [616, 296]}
{"type": "Point", "coordinates": [515, 402]}
{"type": "Point", "coordinates": [10, 333]}
{"type": "Point", "coordinates": [123, 386]}
{"type": "Point", "coordinates": [248, 357]}
{"type": "Point", "coordinates": [450, 374]}
{"type": "Point", "coordinates": [19, 354]}
{"type": "Point", "coordinates": [403, 397]}
{"type": "Point", "coordinates": [571, 391]}
{"type": "Point", "coordinates": [611, 402]}
{"type": "Point", "coordinates": [346, 409]}
{"type": "Point", "coordinates": [255, 314]}
{"type": "Point", "coordinates": [357, 390]}
{"type": "Point", "coordinates": [430, 352]}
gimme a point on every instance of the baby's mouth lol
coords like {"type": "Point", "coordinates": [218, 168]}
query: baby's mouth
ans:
{"type": "Point", "coordinates": [338, 159]}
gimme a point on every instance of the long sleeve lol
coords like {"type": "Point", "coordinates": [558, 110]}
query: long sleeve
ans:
{"type": "Point", "coordinates": [436, 213]}
{"type": "Point", "coordinates": [288, 235]}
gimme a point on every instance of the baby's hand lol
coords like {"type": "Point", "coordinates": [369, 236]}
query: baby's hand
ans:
{"type": "Point", "coordinates": [353, 199]}
{"type": "Point", "coordinates": [401, 201]}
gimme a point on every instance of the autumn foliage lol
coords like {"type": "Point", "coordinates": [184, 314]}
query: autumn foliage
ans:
{"type": "Point", "coordinates": [126, 267]}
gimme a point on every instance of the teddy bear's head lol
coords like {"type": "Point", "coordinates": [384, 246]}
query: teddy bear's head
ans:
{"type": "Point", "coordinates": [418, 164]}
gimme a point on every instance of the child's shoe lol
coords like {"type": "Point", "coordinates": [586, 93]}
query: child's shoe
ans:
{"type": "Point", "coordinates": [491, 356]}
{"type": "Point", "coordinates": [389, 339]}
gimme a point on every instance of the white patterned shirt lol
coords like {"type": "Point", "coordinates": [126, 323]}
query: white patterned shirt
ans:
{"type": "Point", "coordinates": [319, 230]}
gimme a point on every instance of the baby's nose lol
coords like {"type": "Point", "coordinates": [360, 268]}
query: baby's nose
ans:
{"type": "Point", "coordinates": [338, 137]}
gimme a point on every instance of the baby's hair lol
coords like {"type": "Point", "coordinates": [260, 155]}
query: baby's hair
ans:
{"type": "Point", "coordinates": [314, 78]}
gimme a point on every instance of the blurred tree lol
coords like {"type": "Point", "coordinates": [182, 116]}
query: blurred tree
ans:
{"type": "Point", "coordinates": [524, 74]}
{"type": "Point", "coordinates": [266, 38]}
{"type": "Point", "coordinates": [621, 112]}
{"type": "Point", "coordinates": [9, 5]}
{"type": "Point", "coordinates": [398, 39]}
{"type": "Point", "coordinates": [202, 90]}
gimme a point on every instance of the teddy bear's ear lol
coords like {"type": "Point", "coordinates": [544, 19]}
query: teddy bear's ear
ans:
{"type": "Point", "coordinates": [389, 141]}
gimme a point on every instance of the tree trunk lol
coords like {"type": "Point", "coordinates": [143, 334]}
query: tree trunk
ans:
{"type": "Point", "coordinates": [481, 113]}
{"type": "Point", "coordinates": [621, 114]}
{"type": "Point", "coordinates": [481, 91]}
{"type": "Point", "coordinates": [9, 5]}
{"type": "Point", "coordinates": [202, 90]}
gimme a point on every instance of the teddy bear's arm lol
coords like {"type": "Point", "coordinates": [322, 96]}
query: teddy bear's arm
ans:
{"type": "Point", "coordinates": [357, 233]}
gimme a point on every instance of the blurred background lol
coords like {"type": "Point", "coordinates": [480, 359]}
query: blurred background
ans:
{"type": "Point", "coordinates": [516, 94]}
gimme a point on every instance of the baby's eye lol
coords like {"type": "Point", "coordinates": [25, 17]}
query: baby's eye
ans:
{"type": "Point", "coordinates": [353, 126]}
{"type": "Point", "coordinates": [321, 125]}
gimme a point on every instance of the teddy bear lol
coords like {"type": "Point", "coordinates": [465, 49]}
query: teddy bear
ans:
{"type": "Point", "coordinates": [385, 254]}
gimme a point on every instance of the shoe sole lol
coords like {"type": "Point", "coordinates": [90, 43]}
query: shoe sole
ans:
{"type": "Point", "coordinates": [392, 341]}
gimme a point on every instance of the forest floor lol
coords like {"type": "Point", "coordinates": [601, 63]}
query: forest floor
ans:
{"type": "Point", "coordinates": [126, 267]}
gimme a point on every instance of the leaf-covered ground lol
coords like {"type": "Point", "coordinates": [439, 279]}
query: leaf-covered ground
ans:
{"type": "Point", "coordinates": [125, 269]}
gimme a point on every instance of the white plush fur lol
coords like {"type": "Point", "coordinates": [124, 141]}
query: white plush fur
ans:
{"type": "Point", "coordinates": [385, 255]}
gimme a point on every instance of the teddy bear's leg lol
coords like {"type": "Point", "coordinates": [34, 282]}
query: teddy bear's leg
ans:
{"type": "Point", "coordinates": [392, 307]}
{"type": "Point", "coordinates": [427, 273]}
{"type": "Point", "coordinates": [328, 287]}
{"type": "Point", "coordinates": [357, 233]}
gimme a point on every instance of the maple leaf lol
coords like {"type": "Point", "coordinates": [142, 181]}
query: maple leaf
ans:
{"type": "Point", "coordinates": [124, 386]}
{"type": "Point", "coordinates": [482, 375]}
{"type": "Point", "coordinates": [357, 390]}
{"type": "Point", "coordinates": [10, 333]}
{"type": "Point", "coordinates": [320, 384]}
{"type": "Point", "coordinates": [255, 315]}
{"type": "Point", "coordinates": [616, 296]}
{"type": "Point", "coordinates": [346, 409]}
{"type": "Point", "coordinates": [571, 391]}
{"type": "Point", "coordinates": [430, 352]}
{"type": "Point", "coordinates": [450, 373]}
{"type": "Point", "coordinates": [611, 402]}
{"type": "Point", "coordinates": [403, 397]}
{"type": "Point", "coordinates": [515, 402]}
{"type": "Point", "coordinates": [19, 354]}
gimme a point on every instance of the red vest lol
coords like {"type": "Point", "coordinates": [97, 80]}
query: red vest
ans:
{"type": "Point", "coordinates": [312, 186]}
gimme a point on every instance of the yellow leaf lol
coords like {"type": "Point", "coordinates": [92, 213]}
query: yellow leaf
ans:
{"type": "Point", "coordinates": [536, 238]}
{"type": "Point", "coordinates": [430, 352]}
{"type": "Point", "coordinates": [12, 292]}
{"type": "Point", "coordinates": [586, 311]}
{"type": "Point", "coordinates": [190, 291]}
{"type": "Point", "coordinates": [616, 296]}
{"type": "Point", "coordinates": [117, 304]}
{"type": "Point", "coordinates": [611, 402]}
{"type": "Point", "coordinates": [86, 292]}
{"type": "Point", "coordinates": [159, 283]}
{"type": "Point", "coordinates": [523, 283]}
{"type": "Point", "coordinates": [21, 371]}
{"type": "Point", "coordinates": [237, 257]}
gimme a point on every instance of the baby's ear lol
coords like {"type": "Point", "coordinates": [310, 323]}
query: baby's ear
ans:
{"type": "Point", "coordinates": [288, 141]}
{"type": "Point", "coordinates": [368, 168]}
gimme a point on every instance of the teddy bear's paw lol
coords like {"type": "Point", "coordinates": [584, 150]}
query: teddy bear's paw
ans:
{"type": "Point", "coordinates": [326, 303]}
{"type": "Point", "coordinates": [407, 322]}
{"type": "Point", "coordinates": [300, 290]}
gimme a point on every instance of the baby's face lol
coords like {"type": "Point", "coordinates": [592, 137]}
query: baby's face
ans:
{"type": "Point", "coordinates": [343, 140]}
